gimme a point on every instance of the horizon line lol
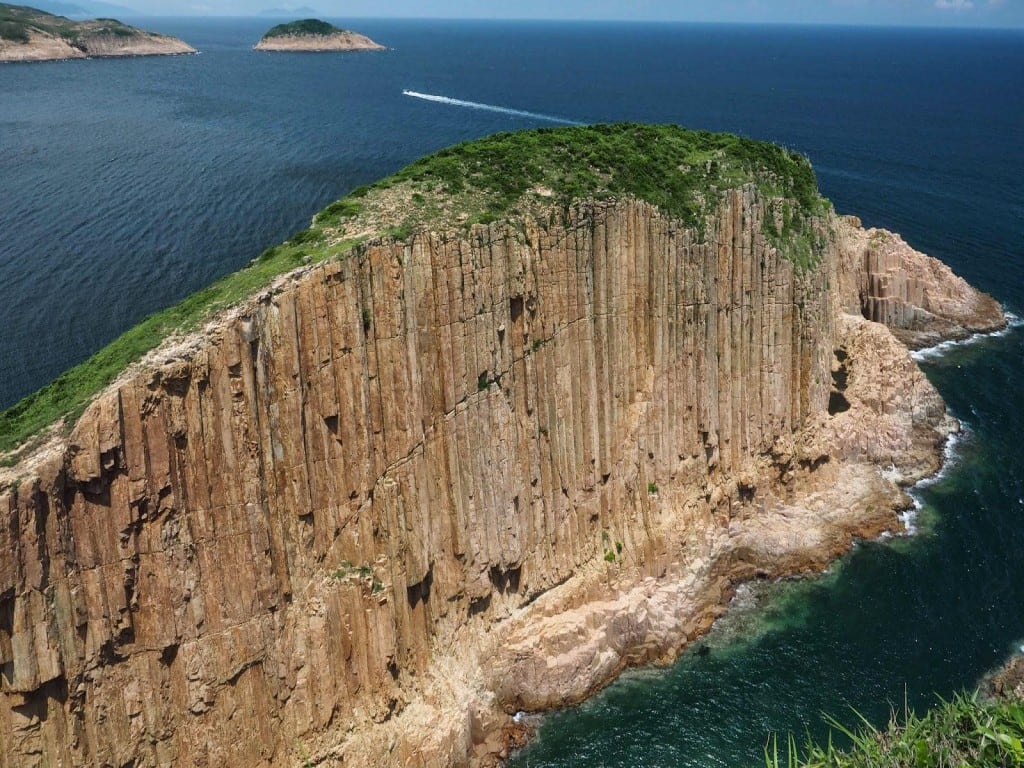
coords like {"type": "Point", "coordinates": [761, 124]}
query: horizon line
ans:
{"type": "Point", "coordinates": [696, 22]}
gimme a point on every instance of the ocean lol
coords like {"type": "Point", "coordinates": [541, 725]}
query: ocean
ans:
{"type": "Point", "coordinates": [127, 184]}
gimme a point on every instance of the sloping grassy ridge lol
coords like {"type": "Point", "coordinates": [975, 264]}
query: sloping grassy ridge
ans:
{"type": "Point", "coordinates": [16, 21]}
{"type": "Point", "coordinates": [505, 176]}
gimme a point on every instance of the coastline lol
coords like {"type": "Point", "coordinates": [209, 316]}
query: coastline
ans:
{"type": "Point", "coordinates": [834, 508]}
{"type": "Point", "coordinates": [51, 49]}
{"type": "Point", "coordinates": [97, 56]}
{"type": "Point", "coordinates": [34, 35]}
{"type": "Point", "coordinates": [924, 354]}
{"type": "Point", "coordinates": [1006, 681]}
{"type": "Point", "coordinates": [681, 528]}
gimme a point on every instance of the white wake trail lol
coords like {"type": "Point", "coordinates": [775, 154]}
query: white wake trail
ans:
{"type": "Point", "coordinates": [488, 107]}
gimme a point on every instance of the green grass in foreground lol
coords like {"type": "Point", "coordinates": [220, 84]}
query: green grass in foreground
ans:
{"type": "Point", "coordinates": [963, 733]}
{"type": "Point", "coordinates": [502, 177]}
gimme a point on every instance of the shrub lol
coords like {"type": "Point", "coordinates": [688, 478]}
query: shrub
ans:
{"type": "Point", "coordinates": [13, 31]}
{"type": "Point", "coordinates": [305, 27]}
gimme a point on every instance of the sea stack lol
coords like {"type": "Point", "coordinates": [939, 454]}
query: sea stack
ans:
{"type": "Point", "coordinates": [507, 422]}
{"type": "Point", "coordinates": [27, 34]}
{"type": "Point", "coordinates": [315, 36]}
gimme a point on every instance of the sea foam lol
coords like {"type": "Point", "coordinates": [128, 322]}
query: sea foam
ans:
{"type": "Point", "coordinates": [950, 458]}
{"type": "Point", "coordinates": [931, 353]}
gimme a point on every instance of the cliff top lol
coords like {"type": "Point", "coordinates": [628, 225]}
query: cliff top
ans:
{"type": "Point", "coordinates": [512, 175]}
{"type": "Point", "coordinates": [507, 176]}
{"type": "Point", "coordinates": [304, 28]}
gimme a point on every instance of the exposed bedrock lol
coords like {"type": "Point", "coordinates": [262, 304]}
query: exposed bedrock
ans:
{"type": "Point", "coordinates": [917, 297]}
{"type": "Point", "coordinates": [44, 46]}
{"type": "Point", "coordinates": [396, 498]}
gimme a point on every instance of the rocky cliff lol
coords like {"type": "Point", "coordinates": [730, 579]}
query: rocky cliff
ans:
{"type": "Point", "coordinates": [27, 34]}
{"type": "Point", "coordinates": [390, 500]}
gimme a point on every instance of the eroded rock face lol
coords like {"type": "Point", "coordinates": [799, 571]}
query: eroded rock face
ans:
{"type": "Point", "coordinates": [1007, 682]}
{"type": "Point", "coordinates": [397, 498]}
{"type": "Point", "coordinates": [43, 46]}
{"type": "Point", "coordinates": [917, 297]}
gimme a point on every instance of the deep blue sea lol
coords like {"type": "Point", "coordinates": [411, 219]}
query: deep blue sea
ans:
{"type": "Point", "coordinates": [127, 184]}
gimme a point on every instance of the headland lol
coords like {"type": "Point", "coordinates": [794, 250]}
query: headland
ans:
{"type": "Point", "coordinates": [487, 433]}
{"type": "Point", "coordinates": [28, 34]}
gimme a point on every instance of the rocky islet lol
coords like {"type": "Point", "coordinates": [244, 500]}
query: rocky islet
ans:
{"type": "Point", "coordinates": [314, 35]}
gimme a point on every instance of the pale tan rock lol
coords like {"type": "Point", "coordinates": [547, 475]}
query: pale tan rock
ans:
{"type": "Point", "coordinates": [918, 297]}
{"type": "Point", "coordinates": [395, 498]}
{"type": "Point", "coordinates": [43, 46]}
{"type": "Point", "coordinates": [340, 41]}
{"type": "Point", "coordinates": [40, 47]}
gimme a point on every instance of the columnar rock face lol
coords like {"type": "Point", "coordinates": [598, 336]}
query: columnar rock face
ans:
{"type": "Point", "coordinates": [916, 296]}
{"type": "Point", "coordinates": [314, 535]}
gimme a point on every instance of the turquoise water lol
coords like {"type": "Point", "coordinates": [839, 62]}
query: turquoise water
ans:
{"type": "Point", "coordinates": [126, 185]}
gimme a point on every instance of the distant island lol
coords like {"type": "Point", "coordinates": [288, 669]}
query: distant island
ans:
{"type": "Point", "coordinates": [305, 10]}
{"type": "Point", "coordinates": [314, 35]}
{"type": "Point", "coordinates": [28, 34]}
{"type": "Point", "coordinates": [85, 9]}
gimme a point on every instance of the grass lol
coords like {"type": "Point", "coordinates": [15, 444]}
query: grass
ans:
{"type": "Point", "coordinates": [683, 172]}
{"type": "Point", "coordinates": [67, 395]}
{"type": "Point", "coordinates": [359, 573]}
{"type": "Point", "coordinates": [116, 28]}
{"type": "Point", "coordinates": [507, 176]}
{"type": "Point", "coordinates": [965, 732]}
{"type": "Point", "coordinates": [17, 20]}
{"type": "Point", "coordinates": [303, 28]}
{"type": "Point", "coordinates": [13, 31]}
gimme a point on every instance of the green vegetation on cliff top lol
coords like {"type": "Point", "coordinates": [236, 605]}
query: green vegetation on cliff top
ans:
{"type": "Point", "coordinates": [304, 28]}
{"type": "Point", "coordinates": [682, 172]}
{"type": "Point", "coordinates": [17, 20]}
{"type": "Point", "coordinates": [505, 176]}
